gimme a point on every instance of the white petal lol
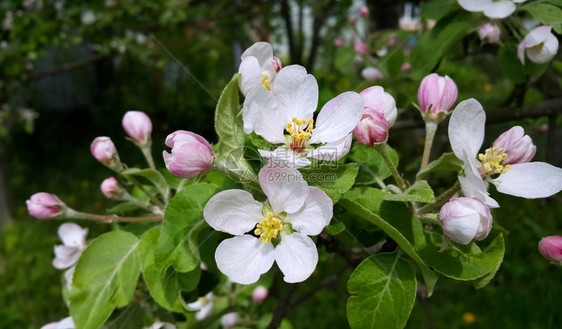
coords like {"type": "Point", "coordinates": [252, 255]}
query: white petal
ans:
{"type": "Point", "coordinates": [66, 323]}
{"type": "Point", "coordinates": [315, 214]}
{"type": "Point", "coordinates": [530, 180]}
{"type": "Point", "coordinates": [499, 9]}
{"type": "Point", "coordinates": [72, 235]}
{"type": "Point", "coordinates": [205, 311]}
{"type": "Point", "coordinates": [546, 52]}
{"type": "Point", "coordinates": [338, 118]}
{"type": "Point", "coordinates": [296, 94]}
{"type": "Point", "coordinates": [474, 5]}
{"type": "Point", "coordinates": [66, 256]}
{"type": "Point", "coordinates": [466, 128]}
{"type": "Point", "coordinates": [473, 185]}
{"type": "Point", "coordinates": [68, 276]}
{"type": "Point", "coordinates": [296, 256]}
{"type": "Point", "coordinates": [244, 258]}
{"type": "Point", "coordinates": [262, 51]}
{"type": "Point", "coordinates": [271, 123]}
{"type": "Point", "coordinates": [284, 158]}
{"type": "Point", "coordinates": [233, 211]}
{"type": "Point", "coordinates": [332, 151]}
{"type": "Point", "coordinates": [285, 188]}
{"type": "Point", "coordinates": [251, 75]}
{"type": "Point", "coordinates": [254, 105]}
{"type": "Point", "coordinates": [461, 229]}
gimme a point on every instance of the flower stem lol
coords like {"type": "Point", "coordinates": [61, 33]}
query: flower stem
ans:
{"type": "Point", "coordinates": [143, 190]}
{"type": "Point", "coordinates": [440, 200]}
{"type": "Point", "coordinates": [382, 148]}
{"type": "Point", "coordinates": [430, 218]}
{"type": "Point", "coordinates": [70, 213]}
{"type": "Point", "coordinates": [146, 151]}
{"type": "Point", "coordinates": [430, 129]}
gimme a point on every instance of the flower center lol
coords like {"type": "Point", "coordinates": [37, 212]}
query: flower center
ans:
{"type": "Point", "coordinates": [265, 81]}
{"type": "Point", "coordinates": [300, 131]}
{"type": "Point", "coordinates": [492, 161]}
{"type": "Point", "coordinates": [539, 46]}
{"type": "Point", "coordinates": [268, 228]}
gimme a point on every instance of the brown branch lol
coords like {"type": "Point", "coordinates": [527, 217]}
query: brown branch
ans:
{"type": "Point", "coordinates": [319, 19]}
{"type": "Point", "coordinates": [283, 307]}
{"type": "Point", "coordinates": [286, 14]}
{"type": "Point", "coordinates": [552, 107]}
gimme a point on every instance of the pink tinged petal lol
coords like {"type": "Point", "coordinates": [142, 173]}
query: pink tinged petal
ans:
{"type": "Point", "coordinates": [243, 259]}
{"type": "Point", "coordinates": [251, 75]}
{"type": "Point", "coordinates": [72, 235]}
{"type": "Point", "coordinates": [489, 32]}
{"type": "Point", "coordinates": [254, 104]}
{"type": "Point", "coordinates": [530, 180]}
{"type": "Point", "coordinates": [332, 151]}
{"type": "Point", "coordinates": [376, 99]}
{"type": "Point", "coordinates": [461, 229]}
{"type": "Point", "coordinates": [315, 214]}
{"type": "Point", "coordinates": [66, 323]}
{"type": "Point", "coordinates": [285, 188]}
{"type": "Point", "coordinates": [465, 219]}
{"type": "Point", "coordinates": [466, 128]}
{"type": "Point", "coordinates": [52, 325]}
{"type": "Point", "coordinates": [518, 146]}
{"type": "Point", "coordinates": [360, 48]}
{"type": "Point", "coordinates": [296, 256]}
{"type": "Point", "coordinates": [137, 125]}
{"type": "Point", "coordinates": [474, 5]}
{"type": "Point", "coordinates": [544, 54]}
{"type": "Point", "coordinates": [103, 149]}
{"type": "Point", "coordinates": [205, 311]}
{"type": "Point", "coordinates": [499, 9]}
{"type": "Point", "coordinates": [372, 129]}
{"type": "Point", "coordinates": [233, 211]}
{"type": "Point", "coordinates": [541, 34]}
{"type": "Point", "coordinates": [337, 118]}
{"type": "Point", "coordinates": [437, 94]}
{"type": "Point", "coordinates": [371, 74]}
{"type": "Point", "coordinates": [44, 205]}
{"type": "Point", "coordinates": [66, 256]}
{"type": "Point", "coordinates": [262, 51]}
{"type": "Point", "coordinates": [284, 158]}
{"type": "Point", "coordinates": [229, 320]}
{"type": "Point", "coordinates": [259, 294]}
{"type": "Point", "coordinates": [191, 154]}
{"type": "Point", "coordinates": [551, 248]}
{"type": "Point", "coordinates": [296, 93]}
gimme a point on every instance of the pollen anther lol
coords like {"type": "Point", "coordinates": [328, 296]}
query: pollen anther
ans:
{"type": "Point", "coordinates": [265, 82]}
{"type": "Point", "coordinates": [492, 161]}
{"type": "Point", "coordinates": [268, 228]}
{"type": "Point", "coordinates": [300, 131]}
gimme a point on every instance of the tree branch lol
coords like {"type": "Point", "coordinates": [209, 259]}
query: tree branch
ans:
{"type": "Point", "coordinates": [283, 307]}
{"type": "Point", "coordinates": [67, 67]}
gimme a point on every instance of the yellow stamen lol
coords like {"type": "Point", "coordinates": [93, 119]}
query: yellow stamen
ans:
{"type": "Point", "coordinates": [492, 161]}
{"type": "Point", "coordinates": [265, 82]}
{"type": "Point", "coordinates": [268, 228]}
{"type": "Point", "coordinates": [300, 131]}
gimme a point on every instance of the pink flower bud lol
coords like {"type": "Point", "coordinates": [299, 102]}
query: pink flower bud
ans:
{"type": "Point", "coordinates": [406, 67]}
{"type": "Point", "coordinates": [437, 94]}
{"type": "Point", "coordinates": [391, 40]}
{"type": "Point", "coordinates": [379, 115]}
{"type": "Point", "coordinates": [191, 154]}
{"type": "Point", "coordinates": [338, 42]}
{"type": "Point", "coordinates": [371, 74]}
{"type": "Point", "coordinates": [551, 248]}
{"type": "Point", "coordinates": [277, 64]}
{"type": "Point", "coordinates": [518, 146]}
{"type": "Point", "coordinates": [229, 320]}
{"type": "Point", "coordinates": [45, 206]}
{"type": "Point", "coordinates": [259, 294]}
{"type": "Point", "coordinates": [465, 219]}
{"type": "Point", "coordinates": [138, 126]}
{"type": "Point", "coordinates": [364, 11]}
{"type": "Point", "coordinates": [111, 188]}
{"type": "Point", "coordinates": [360, 48]}
{"type": "Point", "coordinates": [489, 32]}
{"type": "Point", "coordinates": [104, 151]}
{"type": "Point", "coordinates": [352, 20]}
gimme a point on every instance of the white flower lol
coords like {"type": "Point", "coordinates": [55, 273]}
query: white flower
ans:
{"type": "Point", "coordinates": [282, 225]}
{"type": "Point", "coordinates": [491, 9]}
{"type": "Point", "coordinates": [74, 242]}
{"type": "Point", "coordinates": [540, 45]}
{"type": "Point", "coordinates": [88, 17]}
{"type": "Point", "coordinates": [523, 179]}
{"type": "Point", "coordinates": [289, 107]}
{"type": "Point", "coordinates": [162, 325]}
{"type": "Point", "coordinates": [258, 68]}
{"type": "Point", "coordinates": [65, 323]}
{"type": "Point", "coordinates": [204, 306]}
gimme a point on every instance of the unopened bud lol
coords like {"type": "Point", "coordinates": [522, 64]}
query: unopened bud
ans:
{"type": "Point", "coordinates": [111, 189]}
{"type": "Point", "coordinates": [45, 206]}
{"type": "Point", "coordinates": [360, 48]}
{"type": "Point", "coordinates": [371, 74]}
{"type": "Point", "coordinates": [465, 219]}
{"type": "Point", "coordinates": [518, 146]}
{"type": "Point", "coordinates": [138, 126]}
{"type": "Point", "coordinates": [259, 294]}
{"type": "Point", "coordinates": [229, 320]}
{"type": "Point", "coordinates": [191, 154]}
{"type": "Point", "coordinates": [338, 42]}
{"type": "Point", "coordinates": [364, 11]}
{"type": "Point", "coordinates": [103, 149]}
{"type": "Point", "coordinates": [489, 32]}
{"type": "Point", "coordinates": [379, 115]}
{"type": "Point", "coordinates": [437, 95]}
{"type": "Point", "coordinates": [551, 248]}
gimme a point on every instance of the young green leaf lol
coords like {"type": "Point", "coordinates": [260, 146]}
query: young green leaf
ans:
{"type": "Point", "coordinates": [153, 176]}
{"type": "Point", "coordinates": [371, 164]}
{"type": "Point", "coordinates": [334, 180]}
{"type": "Point", "coordinates": [419, 192]}
{"type": "Point", "coordinates": [446, 162]}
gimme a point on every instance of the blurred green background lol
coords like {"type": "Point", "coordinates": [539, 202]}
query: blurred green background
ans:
{"type": "Point", "coordinates": [71, 70]}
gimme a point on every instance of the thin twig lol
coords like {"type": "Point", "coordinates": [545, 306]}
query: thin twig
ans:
{"type": "Point", "coordinates": [283, 306]}
{"type": "Point", "coordinates": [70, 213]}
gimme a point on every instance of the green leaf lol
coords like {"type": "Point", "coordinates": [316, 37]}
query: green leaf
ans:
{"type": "Point", "coordinates": [486, 279]}
{"type": "Point", "coordinates": [395, 220]}
{"type": "Point", "coordinates": [335, 229]}
{"type": "Point", "coordinates": [344, 59]}
{"type": "Point", "coordinates": [383, 291]}
{"type": "Point", "coordinates": [230, 130]}
{"type": "Point", "coordinates": [371, 164]}
{"type": "Point", "coordinates": [332, 179]}
{"type": "Point", "coordinates": [462, 262]}
{"type": "Point", "coordinates": [124, 207]}
{"type": "Point", "coordinates": [419, 192]}
{"type": "Point", "coordinates": [177, 244]}
{"type": "Point", "coordinates": [164, 284]}
{"type": "Point", "coordinates": [105, 278]}
{"type": "Point", "coordinates": [153, 176]}
{"type": "Point", "coordinates": [436, 9]}
{"type": "Point", "coordinates": [446, 162]}
{"type": "Point", "coordinates": [509, 64]}
{"type": "Point", "coordinates": [547, 14]}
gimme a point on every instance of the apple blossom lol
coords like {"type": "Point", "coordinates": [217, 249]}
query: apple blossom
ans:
{"type": "Point", "coordinates": [379, 115]}
{"type": "Point", "coordinates": [406, 66]}
{"type": "Point", "coordinates": [352, 20]}
{"type": "Point", "coordinates": [229, 320]}
{"type": "Point", "coordinates": [258, 68]}
{"type": "Point", "coordinates": [465, 219]}
{"type": "Point", "coordinates": [203, 306]}
{"type": "Point", "coordinates": [259, 294]}
{"type": "Point", "coordinates": [74, 242]}
{"type": "Point", "coordinates": [437, 95]}
{"type": "Point", "coordinates": [111, 188]}
{"type": "Point", "coordinates": [540, 45]}
{"type": "Point", "coordinates": [103, 149]}
{"type": "Point", "coordinates": [489, 32]}
{"type": "Point", "coordinates": [292, 212]}
{"type": "Point", "coordinates": [65, 323]}
{"type": "Point", "coordinates": [290, 106]}
{"type": "Point", "coordinates": [519, 178]}
{"type": "Point", "coordinates": [162, 325]}
{"type": "Point", "coordinates": [44, 205]}
{"type": "Point", "coordinates": [360, 48]}
{"type": "Point", "coordinates": [338, 42]}
{"type": "Point", "coordinates": [551, 248]}
{"type": "Point", "coordinates": [191, 154]}
{"type": "Point", "coordinates": [371, 74]}
{"type": "Point", "coordinates": [138, 126]}
{"type": "Point", "coordinates": [490, 8]}
{"type": "Point", "coordinates": [364, 11]}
